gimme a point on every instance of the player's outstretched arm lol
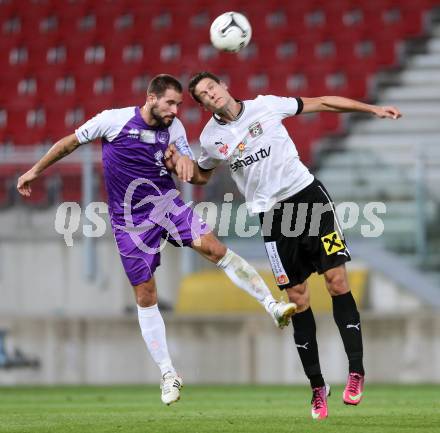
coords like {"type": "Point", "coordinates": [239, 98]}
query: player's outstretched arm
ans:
{"type": "Point", "coordinates": [340, 104]}
{"type": "Point", "coordinates": [59, 150]}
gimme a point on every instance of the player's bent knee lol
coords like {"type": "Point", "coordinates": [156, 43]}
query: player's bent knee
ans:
{"type": "Point", "coordinates": [146, 299]}
{"type": "Point", "coordinates": [300, 296]}
{"type": "Point", "coordinates": [219, 252]}
{"type": "Point", "coordinates": [302, 302]}
{"type": "Point", "coordinates": [337, 283]}
{"type": "Point", "coordinates": [338, 289]}
{"type": "Point", "coordinates": [146, 294]}
{"type": "Point", "coordinates": [212, 248]}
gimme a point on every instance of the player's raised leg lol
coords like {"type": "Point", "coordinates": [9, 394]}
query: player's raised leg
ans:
{"type": "Point", "coordinates": [243, 275]}
{"type": "Point", "coordinates": [304, 334]}
{"type": "Point", "coordinates": [154, 334]}
{"type": "Point", "coordinates": [347, 318]}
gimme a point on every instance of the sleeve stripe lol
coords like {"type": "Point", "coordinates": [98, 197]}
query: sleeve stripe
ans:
{"type": "Point", "coordinates": [300, 105]}
{"type": "Point", "coordinates": [184, 148]}
{"type": "Point", "coordinates": [82, 136]}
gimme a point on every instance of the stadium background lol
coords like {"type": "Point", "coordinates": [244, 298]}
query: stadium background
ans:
{"type": "Point", "coordinates": [67, 313]}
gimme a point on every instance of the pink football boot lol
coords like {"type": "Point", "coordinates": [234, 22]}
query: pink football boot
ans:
{"type": "Point", "coordinates": [354, 389]}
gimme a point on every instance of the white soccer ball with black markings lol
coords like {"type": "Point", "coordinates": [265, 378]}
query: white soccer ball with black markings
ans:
{"type": "Point", "coordinates": [230, 31]}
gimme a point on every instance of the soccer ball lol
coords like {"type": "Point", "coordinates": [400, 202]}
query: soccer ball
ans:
{"type": "Point", "coordinates": [230, 31]}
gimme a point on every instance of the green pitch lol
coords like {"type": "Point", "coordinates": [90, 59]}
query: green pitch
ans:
{"type": "Point", "coordinates": [212, 409]}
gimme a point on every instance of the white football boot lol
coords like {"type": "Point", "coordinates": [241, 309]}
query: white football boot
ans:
{"type": "Point", "coordinates": [170, 386]}
{"type": "Point", "coordinates": [281, 312]}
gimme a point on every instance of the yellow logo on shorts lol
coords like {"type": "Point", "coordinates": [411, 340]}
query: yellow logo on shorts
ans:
{"type": "Point", "coordinates": [332, 243]}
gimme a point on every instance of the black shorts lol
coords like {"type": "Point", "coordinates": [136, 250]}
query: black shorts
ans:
{"type": "Point", "coordinates": [307, 239]}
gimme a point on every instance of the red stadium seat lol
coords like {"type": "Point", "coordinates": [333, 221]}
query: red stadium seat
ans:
{"type": "Point", "coordinates": [40, 196]}
{"type": "Point", "coordinates": [7, 184]}
{"type": "Point", "coordinates": [329, 123]}
{"type": "Point", "coordinates": [71, 183]}
{"type": "Point", "coordinates": [394, 18]}
{"type": "Point", "coordinates": [298, 49]}
{"type": "Point", "coordinates": [17, 128]}
{"type": "Point", "coordinates": [56, 121]}
{"type": "Point", "coordinates": [95, 106]}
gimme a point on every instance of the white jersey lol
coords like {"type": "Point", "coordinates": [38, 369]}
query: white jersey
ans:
{"type": "Point", "coordinates": [262, 157]}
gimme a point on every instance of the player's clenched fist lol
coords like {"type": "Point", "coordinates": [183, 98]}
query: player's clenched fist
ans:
{"type": "Point", "coordinates": [170, 157]}
{"type": "Point", "coordinates": [24, 183]}
{"type": "Point", "coordinates": [182, 165]}
{"type": "Point", "coordinates": [387, 112]}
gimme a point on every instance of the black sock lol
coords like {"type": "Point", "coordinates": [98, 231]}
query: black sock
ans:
{"type": "Point", "coordinates": [304, 333]}
{"type": "Point", "coordinates": [347, 318]}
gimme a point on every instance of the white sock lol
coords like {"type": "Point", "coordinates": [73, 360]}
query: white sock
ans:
{"type": "Point", "coordinates": [243, 275]}
{"type": "Point", "coordinates": [153, 331]}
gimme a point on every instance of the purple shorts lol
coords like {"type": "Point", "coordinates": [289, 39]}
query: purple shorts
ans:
{"type": "Point", "coordinates": [140, 247]}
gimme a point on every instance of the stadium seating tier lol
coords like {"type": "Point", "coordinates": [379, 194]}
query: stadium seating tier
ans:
{"type": "Point", "coordinates": [64, 61]}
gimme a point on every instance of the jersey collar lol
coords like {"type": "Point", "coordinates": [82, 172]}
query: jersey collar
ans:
{"type": "Point", "coordinates": [219, 120]}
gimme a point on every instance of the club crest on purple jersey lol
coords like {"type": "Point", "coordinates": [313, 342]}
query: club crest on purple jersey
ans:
{"type": "Point", "coordinates": [163, 137]}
